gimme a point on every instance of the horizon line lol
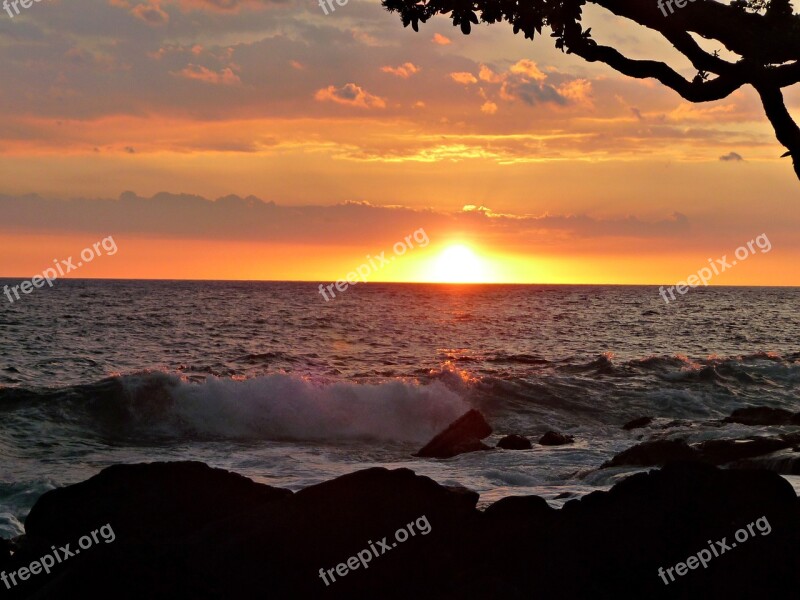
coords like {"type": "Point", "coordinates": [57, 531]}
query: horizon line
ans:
{"type": "Point", "coordinates": [314, 281]}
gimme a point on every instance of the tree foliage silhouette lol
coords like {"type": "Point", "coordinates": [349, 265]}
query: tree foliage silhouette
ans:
{"type": "Point", "coordinates": [763, 34]}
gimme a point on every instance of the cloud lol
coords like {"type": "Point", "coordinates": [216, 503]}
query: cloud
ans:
{"type": "Point", "coordinates": [176, 49]}
{"type": "Point", "coordinates": [185, 216]}
{"type": "Point", "coordinates": [732, 157]}
{"type": "Point", "coordinates": [529, 69]}
{"type": "Point", "coordinates": [405, 70]}
{"type": "Point", "coordinates": [463, 77]}
{"type": "Point", "coordinates": [350, 95]}
{"type": "Point", "coordinates": [577, 91]}
{"type": "Point", "coordinates": [152, 13]}
{"type": "Point", "coordinates": [365, 38]}
{"type": "Point", "coordinates": [486, 74]}
{"type": "Point", "coordinates": [525, 81]}
{"type": "Point", "coordinates": [199, 73]}
{"type": "Point", "coordinates": [441, 40]}
{"type": "Point", "coordinates": [224, 6]}
{"type": "Point", "coordinates": [83, 76]}
{"type": "Point", "coordinates": [531, 92]}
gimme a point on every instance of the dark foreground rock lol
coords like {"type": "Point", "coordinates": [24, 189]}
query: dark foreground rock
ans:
{"type": "Point", "coordinates": [515, 442]}
{"type": "Point", "coordinates": [141, 501]}
{"type": "Point", "coordinates": [5, 552]}
{"type": "Point", "coordinates": [611, 545]}
{"type": "Point", "coordinates": [604, 545]}
{"type": "Point", "coordinates": [463, 435]}
{"type": "Point", "coordinates": [553, 438]}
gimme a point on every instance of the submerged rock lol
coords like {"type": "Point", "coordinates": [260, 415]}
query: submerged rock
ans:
{"type": "Point", "coordinates": [637, 423]}
{"type": "Point", "coordinates": [720, 452]}
{"type": "Point", "coordinates": [762, 415]}
{"type": "Point", "coordinates": [553, 438]}
{"type": "Point", "coordinates": [712, 452]}
{"type": "Point", "coordinates": [653, 453]}
{"type": "Point", "coordinates": [462, 435]}
{"type": "Point", "coordinates": [515, 442]}
{"type": "Point", "coordinates": [786, 462]}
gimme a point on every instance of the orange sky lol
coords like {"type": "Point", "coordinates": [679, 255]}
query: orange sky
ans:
{"type": "Point", "coordinates": [339, 135]}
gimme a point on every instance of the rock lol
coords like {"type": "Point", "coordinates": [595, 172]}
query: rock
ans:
{"type": "Point", "coordinates": [553, 438]}
{"type": "Point", "coordinates": [280, 546]}
{"type": "Point", "coordinates": [681, 506]}
{"type": "Point", "coordinates": [515, 442]}
{"type": "Point", "coordinates": [677, 423]}
{"type": "Point", "coordinates": [712, 452]}
{"type": "Point", "coordinates": [762, 415]}
{"type": "Point", "coordinates": [720, 452]}
{"type": "Point", "coordinates": [142, 501]}
{"type": "Point", "coordinates": [5, 553]}
{"type": "Point", "coordinates": [603, 545]}
{"type": "Point", "coordinates": [637, 423]}
{"type": "Point", "coordinates": [463, 435]}
{"type": "Point", "coordinates": [785, 462]}
{"type": "Point", "coordinates": [653, 453]}
{"type": "Point", "coordinates": [515, 507]}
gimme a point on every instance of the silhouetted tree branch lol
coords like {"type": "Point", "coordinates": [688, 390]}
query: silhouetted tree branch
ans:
{"type": "Point", "coordinates": [764, 34]}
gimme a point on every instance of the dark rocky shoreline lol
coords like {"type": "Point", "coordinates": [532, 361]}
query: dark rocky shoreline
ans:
{"type": "Point", "coordinates": [186, 530]}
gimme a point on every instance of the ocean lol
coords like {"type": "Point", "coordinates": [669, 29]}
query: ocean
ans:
{"type": "Point", "coordinates": [269, 380]}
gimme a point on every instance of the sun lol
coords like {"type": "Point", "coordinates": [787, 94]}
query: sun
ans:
{"type": "Point", "coordinates": [458, 264]}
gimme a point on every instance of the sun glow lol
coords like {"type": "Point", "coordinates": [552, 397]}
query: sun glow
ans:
{"type": "Point", "coordinates": [458, 264]}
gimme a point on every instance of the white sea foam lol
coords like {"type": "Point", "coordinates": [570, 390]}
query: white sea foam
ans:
{"type": "Point", "coordinates": [286, 407]}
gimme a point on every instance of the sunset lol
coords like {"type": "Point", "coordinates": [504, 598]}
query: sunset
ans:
{"type": "Point", "coordinates": [399, 299]}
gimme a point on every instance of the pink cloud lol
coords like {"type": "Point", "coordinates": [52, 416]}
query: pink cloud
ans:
{"type": "Point", "coordinates": [441, 40]}
{"type": "Point", "coordinates": [151, 13]}
{"type": "Point", "coordinates": [463, 77]}
{"type": "Point", "coordinates": [405, 70]}
{"type": "Point", "coordinates": [199, 73]}
{"type": "Point", "coordinates": [350, 95]}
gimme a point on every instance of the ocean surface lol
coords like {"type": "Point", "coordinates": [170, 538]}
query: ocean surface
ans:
{"type": "Point", "coordinates": [271, 381]}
